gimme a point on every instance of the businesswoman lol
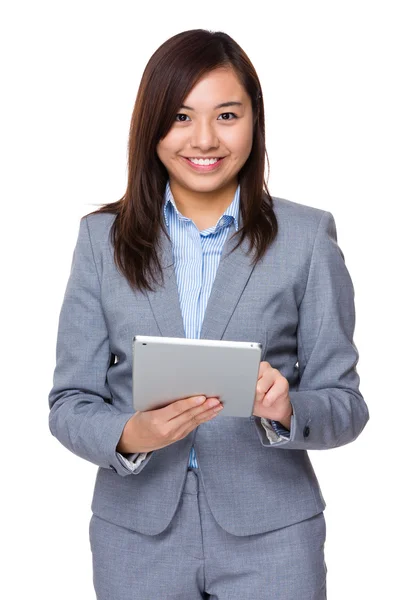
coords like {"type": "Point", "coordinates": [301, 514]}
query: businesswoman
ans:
{"type": "Point", "coordinates": [189, 503]}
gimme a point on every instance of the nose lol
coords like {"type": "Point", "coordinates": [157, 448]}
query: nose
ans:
{"type": "Point", "coordinates": [203, 136]}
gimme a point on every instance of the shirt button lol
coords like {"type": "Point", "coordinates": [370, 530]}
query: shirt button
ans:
{"type": "Point", "coordinates": [306, 431]}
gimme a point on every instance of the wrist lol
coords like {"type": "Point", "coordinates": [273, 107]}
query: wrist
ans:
{"type": "Point", "coordinates": [286, 420]}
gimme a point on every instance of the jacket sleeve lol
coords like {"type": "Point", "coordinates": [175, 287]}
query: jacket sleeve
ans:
{"type": "Point", "coordinates": [82, 416]}
{"type": "Point", "coordinates": [328, 408]}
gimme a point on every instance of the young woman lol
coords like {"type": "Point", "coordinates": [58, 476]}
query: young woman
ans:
{"type": "Point", "coordinates": [189, 503]}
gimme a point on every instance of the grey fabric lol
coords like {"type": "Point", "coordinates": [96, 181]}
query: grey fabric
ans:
{"type": "Point", "coordinates": [298, 302]}
{"type": "Point", "coordinates": [195, 558]}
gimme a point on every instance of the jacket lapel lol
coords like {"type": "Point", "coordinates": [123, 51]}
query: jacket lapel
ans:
{"type": "Point", "coordinates": [164, 301]}
{"type": "Point", "coordinates": [231, 278]}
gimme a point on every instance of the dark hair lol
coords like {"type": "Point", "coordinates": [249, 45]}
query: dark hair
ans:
{"type": "Point", "coordinates": [172, 71]}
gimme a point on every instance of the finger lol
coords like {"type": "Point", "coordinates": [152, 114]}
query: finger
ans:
{"type": "Point", "coordinates": [269, 376]}
{"type": "Point", "coordinates": [209, 413]}
{"type": "Point", "coordinates": [264, 365]}
{"type": "Point", "coordinates": [263, 386]}
{"type": "Point", "coordinates": [279, 388]}
{"type": "Point", "coordinates": [174, 409]}
{"type": "Point", "coordinates": [189, 420]}
{"type": "Point", "coordinates": [272, 394]}
{"type": "Point", "coordinates": [192, 409]}
{"type": "Point", "coordinates": [211, 404]}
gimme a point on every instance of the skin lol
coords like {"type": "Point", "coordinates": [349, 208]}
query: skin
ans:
{"type": "Point", "coordinates": [208, 132]}
{"type": "Point", "coordinates": [203, 197]}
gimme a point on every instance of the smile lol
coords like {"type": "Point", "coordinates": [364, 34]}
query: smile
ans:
{"type": "Point", "coordinates": [201, 165]}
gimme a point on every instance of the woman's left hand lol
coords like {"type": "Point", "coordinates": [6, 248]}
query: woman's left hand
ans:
{"type": "Point", "coordinates": [272, 400]}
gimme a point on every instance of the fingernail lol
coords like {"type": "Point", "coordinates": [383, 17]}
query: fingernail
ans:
{"type": "Point", "coordinates": [200, 399]}
{"type": "Point", "coordinates": [214, 402]}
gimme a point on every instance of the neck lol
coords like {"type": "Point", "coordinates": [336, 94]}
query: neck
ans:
{"type": "Point", "coordinates": [203, 207]}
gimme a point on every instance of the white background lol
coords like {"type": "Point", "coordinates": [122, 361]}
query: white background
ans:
{"type": "Point", "coordinates": [334, 77]}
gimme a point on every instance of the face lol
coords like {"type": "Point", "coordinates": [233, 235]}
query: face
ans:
{"type": "Point", "coordinates": [203, 130]}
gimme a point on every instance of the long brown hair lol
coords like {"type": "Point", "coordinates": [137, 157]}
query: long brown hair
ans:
{"type": "Point", "coordinates": [172, 71]}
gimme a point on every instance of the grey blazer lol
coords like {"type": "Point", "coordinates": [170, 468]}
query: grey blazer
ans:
{"type": "Point", "coordinates": [298, 302]}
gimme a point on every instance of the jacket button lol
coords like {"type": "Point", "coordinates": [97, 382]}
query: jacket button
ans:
{"type": "Point", "coordinates": [113, 468]}
{"type": "Point", "coordinates": [306, 431]}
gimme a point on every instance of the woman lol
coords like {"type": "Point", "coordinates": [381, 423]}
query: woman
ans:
{"type": "Point", "coordinates": [189, 503]}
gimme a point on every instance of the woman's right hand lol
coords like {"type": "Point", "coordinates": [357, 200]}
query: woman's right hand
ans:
{"type": "Point", "coordinates": [153, 429]}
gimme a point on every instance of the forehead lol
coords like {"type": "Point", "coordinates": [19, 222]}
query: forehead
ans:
{"type": "Point", "coordinates": [220, 85]}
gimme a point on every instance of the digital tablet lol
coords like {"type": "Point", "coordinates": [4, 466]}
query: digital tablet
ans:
{"type": "Point", "coordinates": [166, 369]}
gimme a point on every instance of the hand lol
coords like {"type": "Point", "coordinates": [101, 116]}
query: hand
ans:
{"type": "Point", "coordinates": [153, 429]}
{"type": "Point", "coordinates": [272, 400]}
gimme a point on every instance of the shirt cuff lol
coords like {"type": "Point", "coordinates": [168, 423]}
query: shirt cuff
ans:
{"type": "Point", "coordinates": [275, 431]}
{"type": "Point", "coordinates": [132, 461]}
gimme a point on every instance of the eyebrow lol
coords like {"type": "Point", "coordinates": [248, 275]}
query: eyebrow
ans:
{"type": "Point", "coordinates": [222, 105]}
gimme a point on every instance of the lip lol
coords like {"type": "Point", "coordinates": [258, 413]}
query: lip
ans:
{"type": "Point", "coordinates": [204, 168]}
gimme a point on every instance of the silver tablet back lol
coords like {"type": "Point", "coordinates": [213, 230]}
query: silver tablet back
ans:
{"type": "Point", "coordinates": [168, 369]}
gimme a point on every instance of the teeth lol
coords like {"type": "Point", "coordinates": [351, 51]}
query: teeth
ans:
{"type": "Point", "coordinates": [200, 161]}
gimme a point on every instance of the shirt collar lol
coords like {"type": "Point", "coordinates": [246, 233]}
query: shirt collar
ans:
{"type": "Point", "coordinates": [231, 211]}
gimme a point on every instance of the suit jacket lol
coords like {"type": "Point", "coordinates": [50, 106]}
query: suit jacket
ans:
{"type": "Point", "coordinates": [298, 302]}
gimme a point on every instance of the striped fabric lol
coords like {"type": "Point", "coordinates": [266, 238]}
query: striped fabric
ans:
{"type": "Point", "coordinates": [196, 257]}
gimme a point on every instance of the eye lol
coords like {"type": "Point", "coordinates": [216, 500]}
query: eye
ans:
{"type": "Point", "coordinates": [180, 115]}
{"type": "Point", "coordinates": [187, 117]}
{"type": "Point", "coordinates": [229, 113]}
